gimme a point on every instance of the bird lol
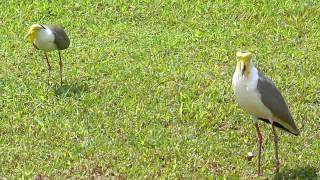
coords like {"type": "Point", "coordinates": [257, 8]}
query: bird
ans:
{"type": "Point", "coordinates": [259, 96]}
{"type": "Point", "coordinates": [49, 38]}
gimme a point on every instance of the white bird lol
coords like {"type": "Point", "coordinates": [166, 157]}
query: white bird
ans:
{"type": "Point", "coordinates": [259, 96]}
{"type": "Point", "coordinates": [48, 38]}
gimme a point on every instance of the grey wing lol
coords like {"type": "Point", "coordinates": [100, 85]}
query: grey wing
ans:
{"type": "Point", "coordinates": [61, 38]}
{"type": "Point", "coordinates": [272, 99]}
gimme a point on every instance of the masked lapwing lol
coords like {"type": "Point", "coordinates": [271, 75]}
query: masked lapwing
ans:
{"type": "Point", "coordinates": [49, 38]}
{"type": "Point", "coordinates": [259, 96]}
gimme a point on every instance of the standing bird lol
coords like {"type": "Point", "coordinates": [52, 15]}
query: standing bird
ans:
{"type": "Point", "coordinates": [48, 38]}
{"type": "Point", "coordinates": [259, 96]}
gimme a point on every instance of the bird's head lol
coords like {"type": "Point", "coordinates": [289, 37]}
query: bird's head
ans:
{"type": "Point", "coordinates": [243, 62]}
{"type": "Point", "coordinates": [34, 28]}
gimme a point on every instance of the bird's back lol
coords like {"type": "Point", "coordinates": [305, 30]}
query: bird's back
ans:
{"type": "Point", "coordinates": [61, 40]}
{"type": "Point", "coordinates": [273, 100]}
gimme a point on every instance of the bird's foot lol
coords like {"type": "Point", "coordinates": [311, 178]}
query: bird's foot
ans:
{"type": "Point", "coordinates": [259, 174]}
{"type": "Point", "coordinates": [277, 165]}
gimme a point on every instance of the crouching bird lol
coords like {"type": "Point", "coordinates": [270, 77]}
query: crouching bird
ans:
{"type": "Point", "coordinates": [49, 38]}
{"type": "Point", "coordinates": [259, 96]}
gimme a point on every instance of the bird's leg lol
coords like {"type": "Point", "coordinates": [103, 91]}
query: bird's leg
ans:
{"type": "Point", "coordinates": [276, 140]}
{"type": "Point", "coordinates": [259, 148]}
{"type": "Point", "coordinates": [49, 67]}
{"type": "Point", "coordinates": [60, 63]}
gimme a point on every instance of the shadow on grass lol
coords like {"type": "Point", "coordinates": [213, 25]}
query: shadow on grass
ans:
{"type": "Point", "coordinates": [307, 172]}
{"type": "Point", "coordinates": [69, 90]}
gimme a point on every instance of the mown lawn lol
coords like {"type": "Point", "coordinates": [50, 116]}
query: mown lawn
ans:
{"type": "Point", "coordinates": [147, 89]}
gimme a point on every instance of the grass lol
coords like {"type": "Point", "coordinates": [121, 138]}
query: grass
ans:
{"type": "Point", "coordinates": [147, 89]}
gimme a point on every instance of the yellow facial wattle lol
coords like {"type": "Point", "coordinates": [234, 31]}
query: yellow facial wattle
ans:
{"type": "Point", "coordinates": [33, 32]}
{"type": "Point", "coordinates": [243, 68]}
{"type": "Point", "coordinates": [243, 64]}
{"type": "Point", "coordinates": [31, 35]}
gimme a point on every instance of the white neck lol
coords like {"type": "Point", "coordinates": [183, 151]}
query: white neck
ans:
{"type": "Point", "coordinates": [253, 76]}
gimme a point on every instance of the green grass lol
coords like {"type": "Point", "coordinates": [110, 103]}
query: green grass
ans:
{"type": "Point", "coordinates": [147, 89]}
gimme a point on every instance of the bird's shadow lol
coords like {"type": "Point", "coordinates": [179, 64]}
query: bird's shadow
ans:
{"type": "Point", "coordinates": [70, 90]}
{"type": "Point", "coordinates": [307, 172]}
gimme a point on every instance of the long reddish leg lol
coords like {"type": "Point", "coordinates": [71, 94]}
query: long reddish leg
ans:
{"type": "Point", "coordinates": [259, 148]}
{"type": "Point", "coordinates": [276, 140]}
{"type": "Point", "coordinates": [60, 64]}
{"type": "Point", "coordinates": [49, 67]}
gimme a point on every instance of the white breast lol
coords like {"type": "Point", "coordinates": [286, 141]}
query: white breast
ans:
{"type": "Point", "coordinates": [44, 40]}
{"type": "Point", "coordinates": [246, 94]}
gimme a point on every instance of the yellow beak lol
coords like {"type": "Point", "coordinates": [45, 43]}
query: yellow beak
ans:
{"type": "Point", "coordinates": [30, 36]}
